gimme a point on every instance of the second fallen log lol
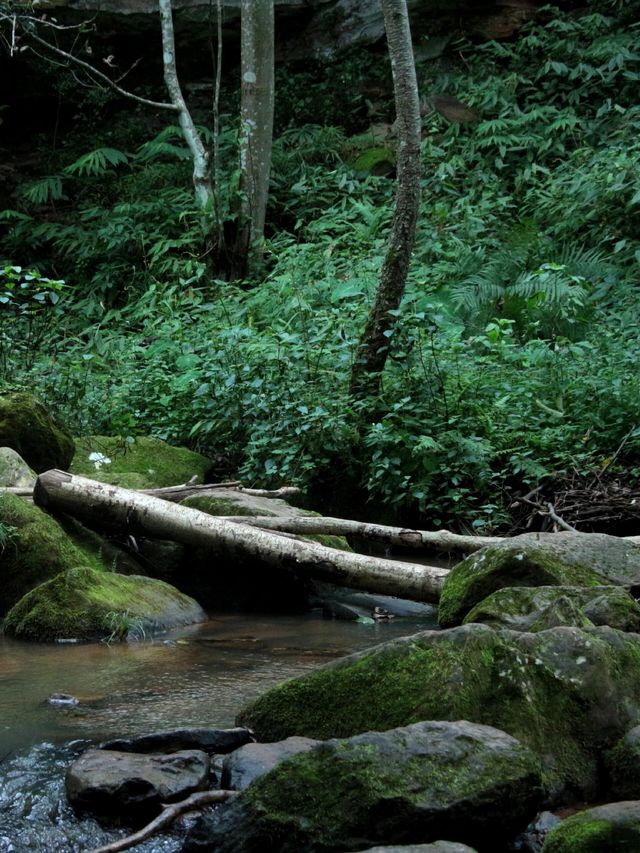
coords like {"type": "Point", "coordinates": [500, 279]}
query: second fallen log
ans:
{"type": "Point", "coordinates": [132, 512]}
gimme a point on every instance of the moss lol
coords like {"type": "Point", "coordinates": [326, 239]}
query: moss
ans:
{"type": "Point", "coordinates": [78, 603]}
{"type": "Point", "coordinates": [28, 428]}
{"type": "Point", "coordinates": [39, 550]}
{"type": "Point", "coordinates": [544, 689]}
{"type": "Point", "coordinates": [538, 608]}
{"type": "Point", "coordinates": [147, 463]}
{"type": "Point", "coordinates": [376, 161]}
{"type": "Point", "coordinates": [604, 829]}
{"type": "Point", "coordinates": [493, 568]}
{"type": "Point", "coordinates": [222, 506]}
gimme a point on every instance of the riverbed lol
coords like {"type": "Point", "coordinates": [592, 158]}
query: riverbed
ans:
{"type": "Point", "coordinates": [196, 676]}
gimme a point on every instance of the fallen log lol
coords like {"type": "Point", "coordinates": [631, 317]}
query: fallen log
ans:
{"type": "Point", "coordinates": [132, 512]}
{"type": "Point", "coordinates": [434, 540]}
{"type": "Point", "coordinates": [166, 817]}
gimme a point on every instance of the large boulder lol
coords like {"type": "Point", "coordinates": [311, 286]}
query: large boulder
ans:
{"type": "Point", "coordinates": [248, 763]}
{"type": "Point", "coordinates": [38, 549]}
{"type": "Point", "coordinates": [623, 765]}
{"type": "Point", "coordinates": [32, 431]}
{"type": "Point", "coordinates": [436, 847]}
{"type": "Point", "coordinates": [141, 463]}
{"type": "Point", "coordinates": [613, 828]}
{"type": "Point", "coordinates": [568, 694]}
{"type": "Point", "coordinates": [431, 780]}
{"type": "Point", "coordinates": [14, 471]}
{"type": "Point", "coordinates": [87, 604]}
{"type": "Point", "coordinates": [126, 786]}
{"type": "Point", "coordinates": [538, 608]}
{"type": "Point", "coordinates": [560, 559]}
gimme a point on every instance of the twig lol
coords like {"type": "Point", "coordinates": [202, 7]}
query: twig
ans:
{"type": "Point", "coordinates": [559, 521]}
{"type": "Point", "coordinates": [170, 813]}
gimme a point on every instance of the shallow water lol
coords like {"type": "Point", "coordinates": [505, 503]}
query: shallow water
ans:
{"type": "Point", "coordinates": [198, 676]}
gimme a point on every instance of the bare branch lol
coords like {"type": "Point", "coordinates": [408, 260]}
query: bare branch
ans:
{"type": "Point", "coordinates": [170, 813]}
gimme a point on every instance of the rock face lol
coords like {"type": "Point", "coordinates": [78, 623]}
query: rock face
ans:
{"type": "Point", "coordinates": [39, 549]}
{"type": "Point", "coordinates": [28, 428]}
{"type": "Point", "coordinates": [87, 604]}
{"type": "Point", "coordinates": [14, 471]}
{"type": "Point", "coordinates": [416, 783]}
{"type": "Point", "coordinates": [623, 765]}
{"type": "Point", "coordinates": [539, 608]}
{"type": "Point", "coordinates": [248, 763]}
{"type": "Point", "coordinates": [564, 559]}
{"type": "Point", "coordinates": [568, 694]}
{"type": "Point", "coordinates": [125, 785]}
{"type": "Point", "coordinates": [211, 741]}
{"type": "Point", "coordinates": [605, 829]}
{"type": "Point", "coordinates": [146, 463]}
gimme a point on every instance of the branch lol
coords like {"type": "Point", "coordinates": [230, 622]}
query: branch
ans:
{"type": "Point", "coordinates": [162, 105]}
{"type": "Point", "coordinates": [170, 813]}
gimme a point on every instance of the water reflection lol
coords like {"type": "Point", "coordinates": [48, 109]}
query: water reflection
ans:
{"type": "Point", "coordinates": [195, 676]}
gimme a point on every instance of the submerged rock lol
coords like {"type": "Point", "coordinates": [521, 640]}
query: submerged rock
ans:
{"type": "Point", "coordinates": [538, 608]}
{"type": "Point", "coordinates": [32, 431]}
{"type": "Point", "coordinates": [62, 700]}
{"type": "Point", "coordinates": [145, 463]}
{"type": "Point", "coordinates": [91, 604]}
{"type": "Point", "coordinates": [612, 828]}
{"type": "Point", "coordinates": [568, 694]}
{"type": "Point", "coordinates": [39, 550]}
{"type": "Point", "coordinates": [124, 785]}
{"type": "Point", "coordinates": [531, 560]}
{"type": "Point", "coordinates": [416, 783]}
{"type": "Point", "coordinates": [211, 741]}
{"type": "Point", "coordinates": [248, 763]}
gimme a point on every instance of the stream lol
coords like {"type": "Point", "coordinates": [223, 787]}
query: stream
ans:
{"type": "Point", "coordinates": [196, 676]}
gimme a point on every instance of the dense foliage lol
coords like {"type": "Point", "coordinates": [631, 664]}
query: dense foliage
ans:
{"type": "Point", "coordinates": [515, 356]}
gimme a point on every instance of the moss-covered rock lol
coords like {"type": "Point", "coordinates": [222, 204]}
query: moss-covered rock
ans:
{"type": "Point", "coordinates": [416, 783]}
{"type": "Point", "coordinates": [623, 766]}
{"type": "Point", "coordinates": [380, 160]}
{"type": "Point", "coordinates": [613, 828]}
{"type": "Point", "coordinates": [144, 463]}
{"type": "Point", "coordinates": [566, 693]}
{"type": "Point", "coordinates": [38, 550]}
{"type": "Point", "coordinates": [32, 431]}
{"type": "Point", "coordinates": [88, 604]}
{"type": "Point", "coordinates": [539, 608]}
{"type": "Point", "coordinates": [561, 559]}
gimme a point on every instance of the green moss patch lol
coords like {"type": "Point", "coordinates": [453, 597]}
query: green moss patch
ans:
{"type": "Point", "coordinates": [613, 828]}
{"type": "Point", "coordinates": [86, 604]}
{"type": "Point", "coordinates": [566, 693]}
{"type": "Point", "coordinates": [32, 431]}
{"type": "Point", "coordinates": [561, 559]}
{"type": "Point", "coordinates": [145, 463]}
{"type": "Point", "coordinates": [38, 550]}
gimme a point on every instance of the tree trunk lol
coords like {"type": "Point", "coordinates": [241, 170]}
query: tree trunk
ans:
{"type": "Point", "coordinates": [373, 348]}
{"type": "Point", "coordinates": [199, 154]}
{"type": "Point", "coordinates": [423, 540]}
{"type": "Point", "coordinates": [130, 511]}
{"type": "Point", "coordinates": [256, 122]}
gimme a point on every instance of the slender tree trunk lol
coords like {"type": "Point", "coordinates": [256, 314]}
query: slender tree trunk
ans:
{"type": "Point", "coordinates": [199, 154]}
{"type": "Point", "coordinates": [130, 511]}
{"type": "Point", "coordinates": [373, 348]}
{"type": "Point", "coordinates": [256, 122]}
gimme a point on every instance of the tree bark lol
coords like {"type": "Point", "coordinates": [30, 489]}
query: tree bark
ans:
{"type": "Point", "coordinates": [373, 348]}
{"type": "Point", "coordinates": [424, 540]}
{"type": "Point", "coordinates": [199, 154]}
{"type": "Point", "coordinates": [256, 121]}
{"type": "Point", "coordinates": [132, 512]}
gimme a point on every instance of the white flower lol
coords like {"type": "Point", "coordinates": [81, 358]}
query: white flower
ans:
{"type": "Point", "coordinates": [99, 459]}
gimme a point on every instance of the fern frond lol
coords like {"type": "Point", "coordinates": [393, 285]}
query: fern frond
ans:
{"type": "Point", "coordinates": [43, 190]}
{"type": "Point", "coordinates": [97, 162]}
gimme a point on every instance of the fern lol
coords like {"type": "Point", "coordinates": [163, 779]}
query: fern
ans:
{"type": "Point", "coordinates": [43, 190]}
{"type": "Point", "coordinates": [97, 162]}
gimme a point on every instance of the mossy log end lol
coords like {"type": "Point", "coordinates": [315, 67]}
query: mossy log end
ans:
{"type": "Point", "coordinates": [136, 513]}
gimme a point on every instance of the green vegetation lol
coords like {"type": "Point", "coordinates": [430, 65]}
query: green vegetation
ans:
{"type": "Point", "coordinates": [516, 350]}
